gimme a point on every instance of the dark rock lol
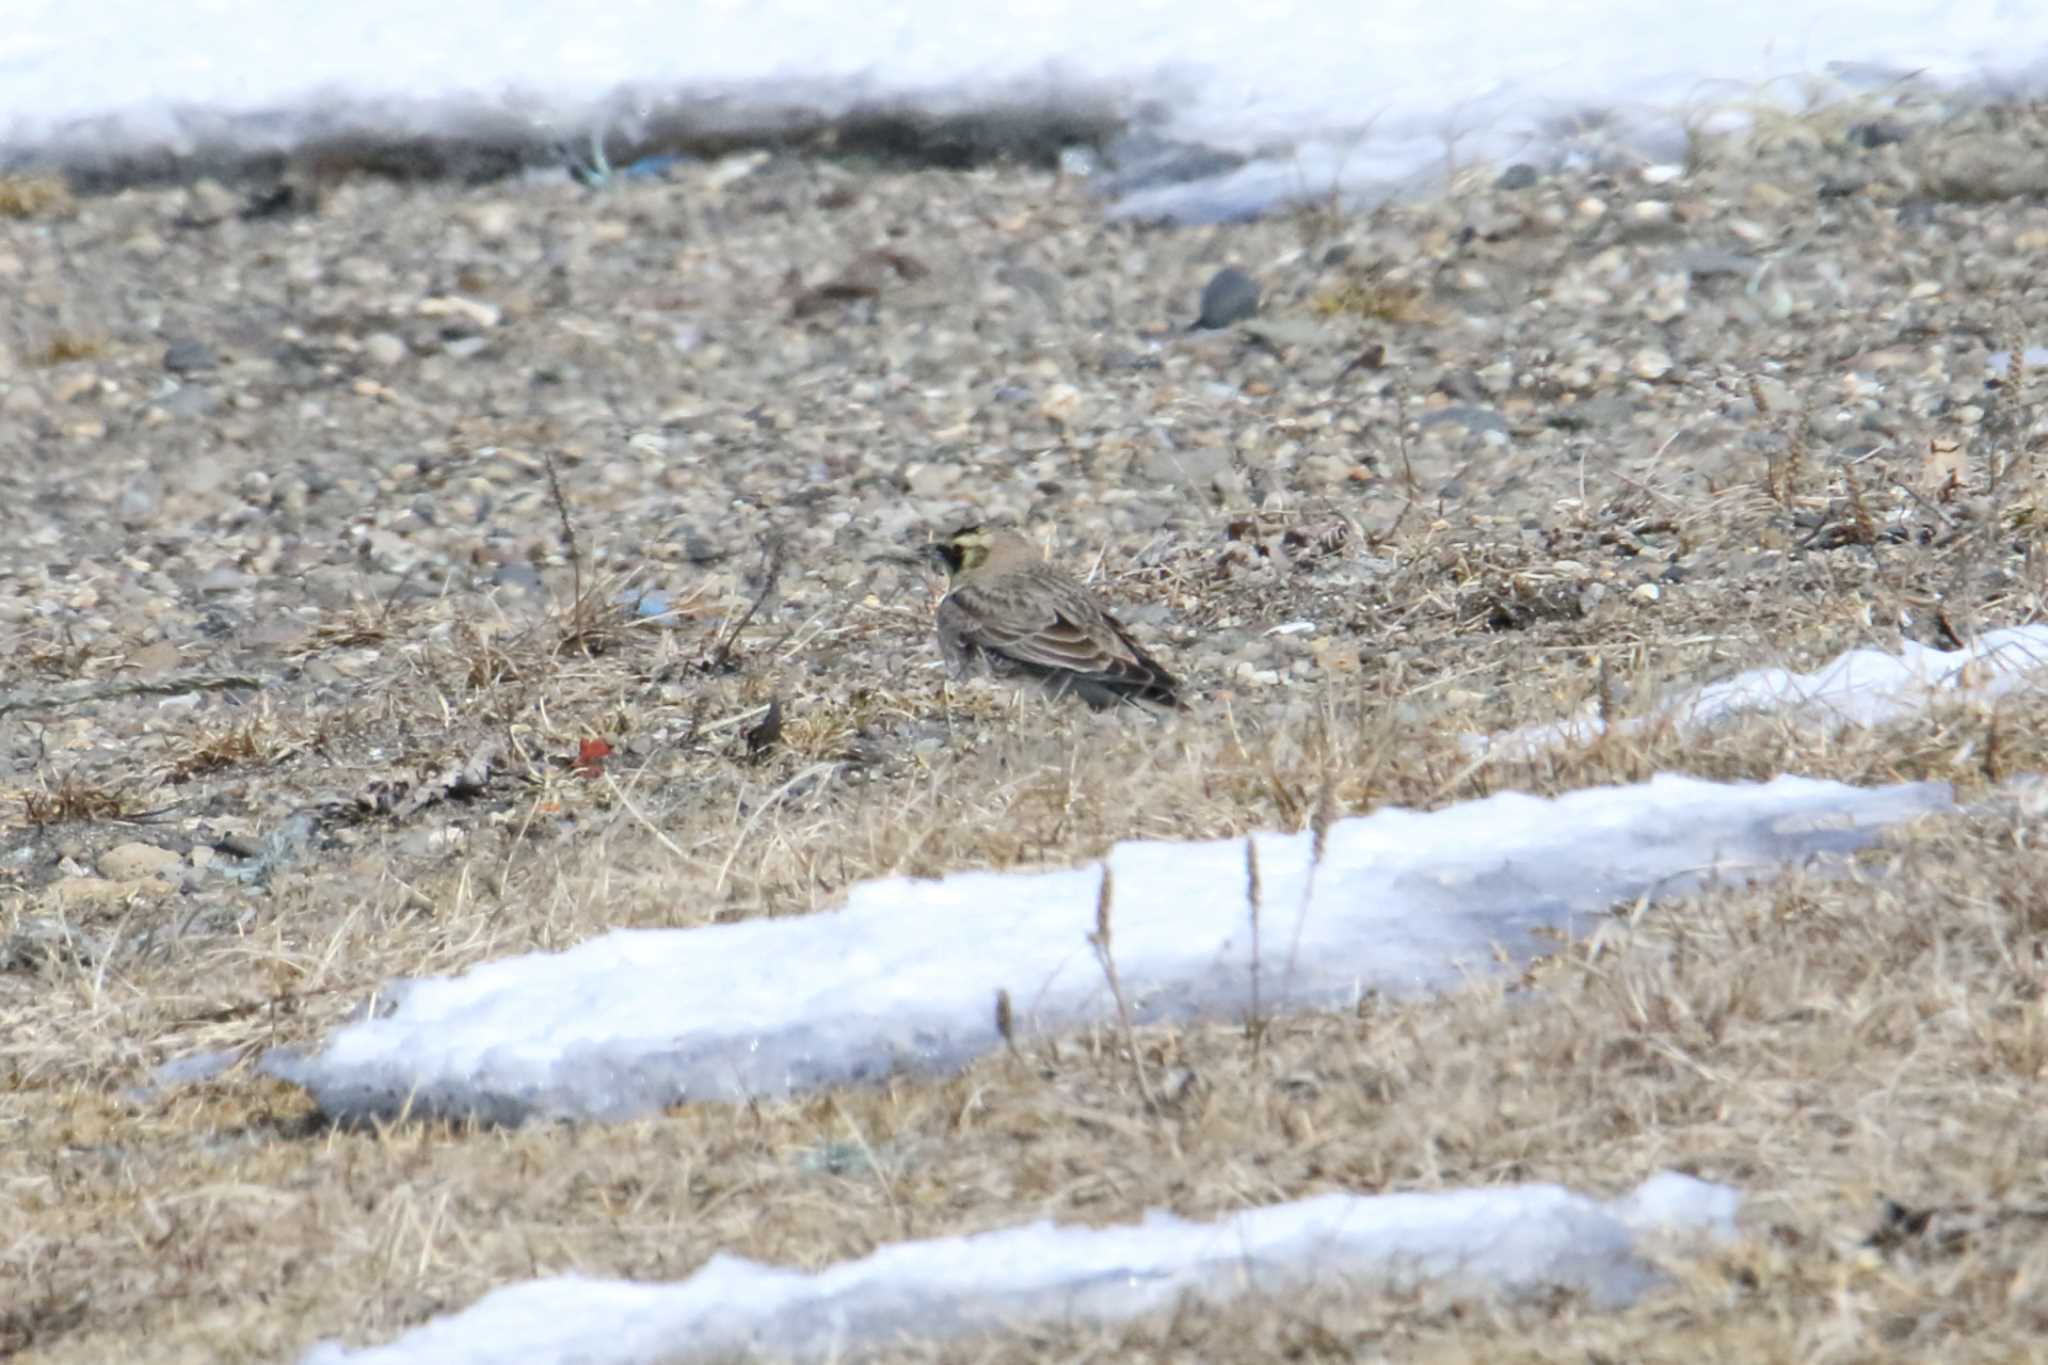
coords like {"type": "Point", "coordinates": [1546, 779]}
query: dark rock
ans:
{"type": "Point", "coordinates": [1519, 176]}
{"type": "Point", "coordinates": [189, 355]}
{"type": "Point", "coordinates": [1871, 136]}
{"type": "Point", "coordinates": [1230, 296]}
{"type": "Point", "coordinates": [1705, 263]}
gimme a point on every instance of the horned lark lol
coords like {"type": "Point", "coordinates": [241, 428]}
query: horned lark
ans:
{"type": "Point", "coordinates": [1013, 614]}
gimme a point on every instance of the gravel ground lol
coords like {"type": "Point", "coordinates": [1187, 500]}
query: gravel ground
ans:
{"type": "Point", "coordinates": [337, 527]}
{"type": "Point", "coordinates": [245, 448]}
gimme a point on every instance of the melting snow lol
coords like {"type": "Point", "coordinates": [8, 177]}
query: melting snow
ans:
{"type": "Point", "coordinates": [1515, 1240]}
{"type": "Point", "coordinates": [906, 975]}
{"type": "Point", "coordinates": [1861, 687]}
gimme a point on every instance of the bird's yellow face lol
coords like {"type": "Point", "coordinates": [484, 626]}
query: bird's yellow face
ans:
{"type": "Point", "coordinates": [962, 552]}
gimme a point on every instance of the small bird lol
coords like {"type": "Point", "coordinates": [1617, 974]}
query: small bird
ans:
{"type": "Point", "coordinates": [1019, 617]}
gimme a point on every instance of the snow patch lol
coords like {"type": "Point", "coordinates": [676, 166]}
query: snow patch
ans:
{"type": "Point", "coordinates": [1861, 687]}
{"type": "Point", "coordinates": [905, 976]}
{"type": "Point", "coordinates": [1515, 1241]}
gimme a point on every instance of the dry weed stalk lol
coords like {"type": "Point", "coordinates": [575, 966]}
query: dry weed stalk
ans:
{"type": "Point", "coordinates": [1255, 1020]}
{"type": "Point", "coordinates": [1101, 942]}
{"type": "Point", "coordinates": [1006, 1022]}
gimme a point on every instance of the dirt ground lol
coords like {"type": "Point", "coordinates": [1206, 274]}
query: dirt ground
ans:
{"type": "Point", "coordinates": [396, 576]}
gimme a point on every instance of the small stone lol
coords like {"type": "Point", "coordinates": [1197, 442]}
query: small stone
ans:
{"type": "Point", "coordinates": [1060, 403]}
{"type": "Point", "coordinates": [189, 355]}
{"type": "Point", "coordinates": [1230, 295]}
{"type": "Point", "coordinates": [493, 221]}
{"type": "Point", "coordinates": [931, 480]}
{"type": "Point", "coordinates": [191, 400]}
{"type": "Point", "coordinates": [383, 349]}
{"type": "Point", "coordinates": [1519, 176]}
{"type": "Point", "coordinates": [516, 576]}
{"type": "Point", "coordinates": [1471, 416]}
{"type": "Point", "coordinates": [223, 578]}
{"type": "Point", "coordinates": [139, 502]}
{"type": "Point", "coordinates": [1651, 363]}
{"type": "Point", "coordinates": [1648, 592]}
{"type": "Point", "coordinates": [105, 891]}
{"type": "Point", "coordinates": [1252, 675]}
{"type": "Point", "coordinates": [72, 387]}
{"type": "Point", "coordinates": [129, 861]}
{"type": "Point", "coordinates": [476, 311]}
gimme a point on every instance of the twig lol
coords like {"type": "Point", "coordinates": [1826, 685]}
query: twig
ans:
{"type": "Point", "coordinates": [860, 1140]}
{"type": "Point", "coordinates": [561, 501]}
{"type": "Point", "coordinates": [1319, 825]}
{"type": "Point", "coordinates": [774, 800]}
{"type": "Point", "coordinates": [1006, 1021]}
{"type": "Point", "coordinates": [72, 693]}
{"type": "Point", "coordinates": [1255, 1023]}
{"type": "Point", "coordinates": [1100, 942]}
{"type": "Point", "coordinates": [641, 817]}
{"type": "Point", "coordinates": [721, 658]}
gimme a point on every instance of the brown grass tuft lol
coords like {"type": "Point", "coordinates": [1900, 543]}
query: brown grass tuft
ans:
{"type": "Point", "coordinates": [35, 196]}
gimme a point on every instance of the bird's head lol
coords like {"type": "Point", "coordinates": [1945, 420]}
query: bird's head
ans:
{"type": "Point", "coordinates": [963, 551]}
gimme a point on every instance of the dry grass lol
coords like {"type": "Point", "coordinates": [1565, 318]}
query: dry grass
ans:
{"type": "Point", "coordinates": [35, 196]}
{"type": "Point", "coordinates": [1823, 1043]}
{"type": "Point", "coordinates": [1819, 1043]}
{"type": "Point", "coordinates": [1372, 295]}
{"type": "Point", "coordinates": [61, 348]}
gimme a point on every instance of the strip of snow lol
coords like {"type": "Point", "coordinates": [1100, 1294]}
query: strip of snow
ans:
{"type": "Point", "coordinates": [1378, 97]}
{"type": "Point", "coordinates": [906, 975]}
{"type": "Point", "coordinates": [1861, 687]}
{"type": "Point", "coordinates": [1516, 1241]}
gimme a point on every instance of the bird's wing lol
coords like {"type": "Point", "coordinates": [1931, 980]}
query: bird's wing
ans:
{"type": "Point", "coordinates": [1054, 632]}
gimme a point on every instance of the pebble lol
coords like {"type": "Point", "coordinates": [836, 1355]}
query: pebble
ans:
{"type": "Point", "coordinates": [383, 349]}
{"type": "Point", "coordinates": [1230, 296]}
{"type": "Point", "coordinates": [189, 355]}
{"type": "Point", "coordinates": [188, 400]}
{"type": "Point", "coordinates": [1651, 363]}
{"type": "Point", "coordinates": [134, 860]}
{"type": "Point", "coordinates": [106, 891]}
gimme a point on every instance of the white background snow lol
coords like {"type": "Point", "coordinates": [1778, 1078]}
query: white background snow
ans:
{"type": "Point", "coordinates": [1370, 96]}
